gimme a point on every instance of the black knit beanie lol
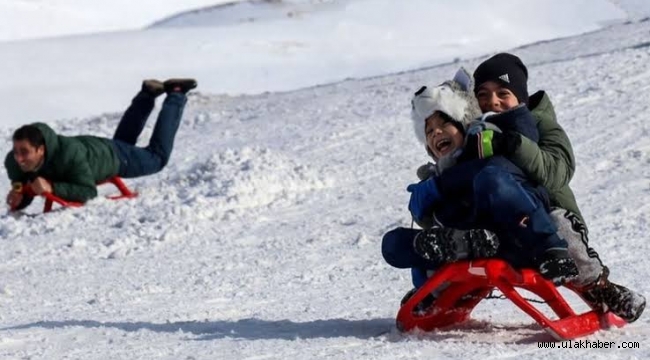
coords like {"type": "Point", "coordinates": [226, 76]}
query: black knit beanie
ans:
{"type": "Point", "coordinates": [507, 70]}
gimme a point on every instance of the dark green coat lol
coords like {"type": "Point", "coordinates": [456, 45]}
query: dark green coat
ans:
{"type": "Point", "coordinates": [73, 164]}
{"type": "Point", "coordinates": [553, 167]}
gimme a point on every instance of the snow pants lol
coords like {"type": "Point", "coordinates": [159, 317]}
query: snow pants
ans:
{"type": "Point", "coordinates": [499, 203]}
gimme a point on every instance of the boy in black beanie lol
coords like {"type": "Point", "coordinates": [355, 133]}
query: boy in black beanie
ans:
{"type": "Point", "coordinates": [501, 85]}
{"type": "Point", "coordinates": [505, 70]}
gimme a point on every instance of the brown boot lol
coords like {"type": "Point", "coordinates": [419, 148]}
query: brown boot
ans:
{"type": "Point", "coordinates": [179, 85]}
{"type": "Point", "coordinates": [153, 87]}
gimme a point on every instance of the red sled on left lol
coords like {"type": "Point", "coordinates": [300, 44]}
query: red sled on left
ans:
{"type": "Point", "coordinates": [51, 199]}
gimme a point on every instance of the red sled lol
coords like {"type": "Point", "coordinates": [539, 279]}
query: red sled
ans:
{"type": "Point", "coordinates": [471, 281]}
{"type": "Point", "coordinates": [50, 199]}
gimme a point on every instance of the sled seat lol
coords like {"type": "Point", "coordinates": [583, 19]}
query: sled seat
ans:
{"type": "Point", "coordinates": [471, 281]}
{"type": "Point", "coordinates": [50, 199]}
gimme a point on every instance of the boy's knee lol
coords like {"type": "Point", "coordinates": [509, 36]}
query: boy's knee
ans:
{"type": "Point", "coordinates": [164, 160]}
{"type": "Point", "coordinates": [394, 246]}
{"type": "Point", "coordinates": [388, 243]}
{"type": "Point", "coordinates": [491, 180]}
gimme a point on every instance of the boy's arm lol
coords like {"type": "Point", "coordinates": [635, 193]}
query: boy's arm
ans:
{"type": "Point", "coordinates": [550, 162]}
{"type": "Point", "coordinates": [17, 178]}
{"type": "Point", "coordinates": [424, 172]}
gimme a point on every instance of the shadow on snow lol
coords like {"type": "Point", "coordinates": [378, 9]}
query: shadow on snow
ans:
{"type": "Point", "coordinates": [256, 329]}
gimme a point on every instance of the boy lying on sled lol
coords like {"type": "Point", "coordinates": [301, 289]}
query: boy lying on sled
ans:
{"type": "Point", "coordinates": [70, 167]}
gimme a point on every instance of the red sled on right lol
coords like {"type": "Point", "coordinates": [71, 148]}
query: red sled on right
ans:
{"type": "Point", "coordinates": [472, 281]}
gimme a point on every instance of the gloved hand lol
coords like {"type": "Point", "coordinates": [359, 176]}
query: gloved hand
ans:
{"type": "Point", "coordinates": [486, 143]}
{"type": "Point", "coordinates": [423, 196]}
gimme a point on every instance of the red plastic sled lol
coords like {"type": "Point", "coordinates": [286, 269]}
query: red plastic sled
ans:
{"type": "Point", "coordinates": [472, 281]}
{"type": "Point", "coordinates": [50, 198]}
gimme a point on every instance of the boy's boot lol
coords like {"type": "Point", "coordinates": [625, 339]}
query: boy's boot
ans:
{"type": "Point", "coordinates": [179, 85]}
{"type": "Point", "coordinates": [422, 307]}
{"type": "Point", "coordinates": [153, 87]}
{"type": "Point", "coordinates": [445, 245]}
{"type": "Point", "coordinates": [605, 295]}
{"type": "Point", "coordinates": [556, 265]}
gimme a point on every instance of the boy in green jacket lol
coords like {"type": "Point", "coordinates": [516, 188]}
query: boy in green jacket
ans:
{"type": "Point", "coordinates": [71, 166]}
{"type": "Point", "coordinates": [500, 85]}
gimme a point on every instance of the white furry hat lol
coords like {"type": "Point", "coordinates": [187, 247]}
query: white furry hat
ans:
{"type": "Point", "coordinates": [455, 98]}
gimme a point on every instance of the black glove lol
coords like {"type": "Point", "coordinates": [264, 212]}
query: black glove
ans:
{"type": "Point", "coordinates": [488, 143]}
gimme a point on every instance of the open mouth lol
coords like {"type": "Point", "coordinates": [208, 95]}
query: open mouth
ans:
{"type": "Point", "coordinates": [443, 145]}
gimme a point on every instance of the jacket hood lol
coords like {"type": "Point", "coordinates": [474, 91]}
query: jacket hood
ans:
{"type": "Point", "coordinates": [51, 140]}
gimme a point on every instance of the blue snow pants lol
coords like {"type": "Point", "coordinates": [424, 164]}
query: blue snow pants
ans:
{"type": "Point", "coordinates": [500, 203]}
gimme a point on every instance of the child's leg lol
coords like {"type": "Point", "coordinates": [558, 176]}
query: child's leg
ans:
{"type": "Point", "coordinates": [136, 161]}
{"type": "Point", "coordinates": [502, 200]}
{"type": "Point", "coordinates": [574, 232]}
{"type": "Point", "coordinates": [169, 118]}
{"type": "Point", "coordinates": [419, 277]}
{"type": "Point", "coordinates": [397, 249]}
{"type": "Point", "coordinates": [134, 118]}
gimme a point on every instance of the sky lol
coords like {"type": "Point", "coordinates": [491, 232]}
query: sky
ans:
{"type": "Point", "coordinates": [261, 238]}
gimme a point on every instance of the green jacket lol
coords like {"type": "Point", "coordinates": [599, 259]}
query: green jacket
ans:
{"type": "Point", "coordinates": [73, 164]}
{"type": "Point", "coordinates": [550, 162]}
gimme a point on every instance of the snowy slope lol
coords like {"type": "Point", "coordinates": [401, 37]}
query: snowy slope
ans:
{"type": "Point", "coordinates": [31, 19]}
{"type": "Point", "coordinates": [260, 240]}
{"type": "Point", "coordinates": [327, 42]}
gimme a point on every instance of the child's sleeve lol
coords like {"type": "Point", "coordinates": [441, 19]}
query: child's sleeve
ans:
{"type": "Point", "coordinates": [550, 162]}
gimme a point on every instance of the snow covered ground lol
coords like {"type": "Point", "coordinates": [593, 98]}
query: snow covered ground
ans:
{"type": "Point", "coordinates": [261, 239]}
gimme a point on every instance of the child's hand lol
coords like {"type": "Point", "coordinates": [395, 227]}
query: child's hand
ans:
{"type": "Point", "coordinates": [423, 196]}
{"type": "Point", "coordinates": [14, 198]}
{"type": "Point", "coordinates": [487, 143]}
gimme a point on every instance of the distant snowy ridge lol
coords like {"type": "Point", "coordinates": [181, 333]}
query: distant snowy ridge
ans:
{"type": "Point", "coordinates": [249, 11]}
{"type": "Point", "coordinates": [37, 19]}
{"type": "Point", "coordinates": [238, 12]}
{"type": "Point", "coordinates": [635, 9]}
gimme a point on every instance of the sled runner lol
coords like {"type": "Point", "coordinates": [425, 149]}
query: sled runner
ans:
{"type": "Point", "coordinates": [50, 199]}
{"type": "Point", "coordinates": [471, 281]}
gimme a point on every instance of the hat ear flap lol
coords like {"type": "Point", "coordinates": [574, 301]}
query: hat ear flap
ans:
{"type": "Point", "coordinates": [464, 79]}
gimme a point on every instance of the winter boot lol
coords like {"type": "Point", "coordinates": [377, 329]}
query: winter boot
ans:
{"type": "Point", "coordinates": [605, 295]}
{"type": "Point", "coordinates": [153, 87]}
{"type": "Point", "coordinates": [556, 265]}
{"type": "Point", "coordinates": [444, 245]}
{"type": "Point", "coordinates": [423, 306]}
{"type": "Point", "coordinates": [179, 85]}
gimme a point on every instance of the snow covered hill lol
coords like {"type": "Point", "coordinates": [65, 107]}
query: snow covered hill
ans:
{"type": "Point", "coordinates": [32, 19]}
{"type": "Point", "coordinates": [260, 240]}
{"type": "Point", "coordinates": [326, 41]}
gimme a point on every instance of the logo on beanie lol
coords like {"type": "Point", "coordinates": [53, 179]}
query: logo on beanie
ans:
{"type": "Point", "coordinates": [505, 78]}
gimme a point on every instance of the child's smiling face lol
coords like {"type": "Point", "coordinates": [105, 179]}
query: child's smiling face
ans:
{"type": "Point", "coordinates": [443, 136]}
{"type": "Point", "coordinates": [493, 96]}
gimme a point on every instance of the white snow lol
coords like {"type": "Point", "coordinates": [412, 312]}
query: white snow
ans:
{"type": "Point", "coordinates": [335, 40]}
{"type": "Point", "coordinates": [29, 19]}
{"type": "Point", "coordinates": [261, 239]}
